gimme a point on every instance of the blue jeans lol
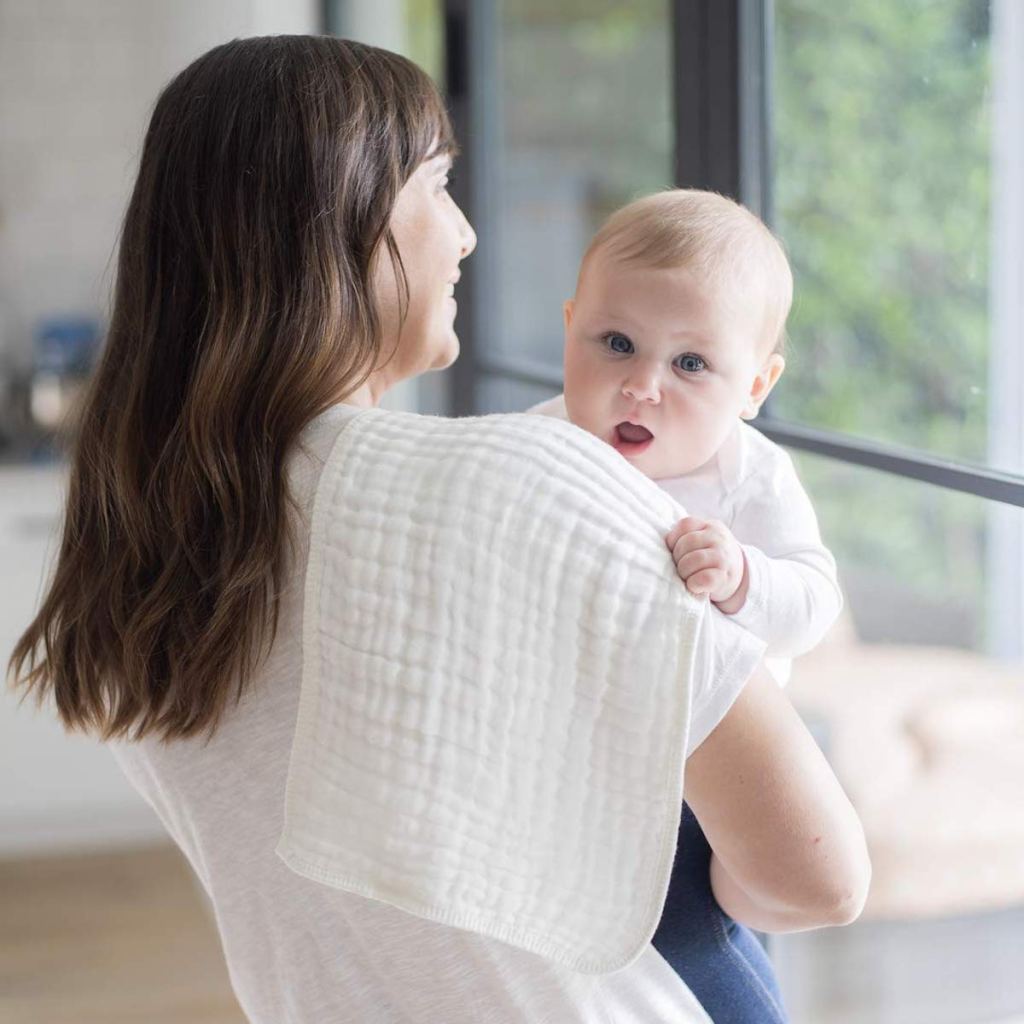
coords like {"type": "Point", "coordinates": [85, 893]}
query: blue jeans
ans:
{"type": "Point", "coordinates": [721, 961]}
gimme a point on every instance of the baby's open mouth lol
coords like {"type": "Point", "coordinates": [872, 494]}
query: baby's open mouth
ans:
{"type": "Point", "coordinates": [631, 439]}
{"type": "Point", "coordinates": [631, 433]}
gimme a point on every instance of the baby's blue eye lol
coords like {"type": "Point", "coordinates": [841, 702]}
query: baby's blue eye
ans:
{"type": "Point", "coordinates": [619, 343]}
{"type": "Point", "coordinates": [690, 363]}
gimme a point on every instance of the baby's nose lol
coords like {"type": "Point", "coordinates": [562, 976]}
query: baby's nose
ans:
{"type": "Point", "coordinates": [642, 386]}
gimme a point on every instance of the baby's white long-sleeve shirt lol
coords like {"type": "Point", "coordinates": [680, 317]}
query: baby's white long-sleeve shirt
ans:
{"type": "Point", "coordinates": [752, 487]}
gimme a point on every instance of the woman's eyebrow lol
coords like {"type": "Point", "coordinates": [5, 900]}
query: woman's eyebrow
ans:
{"type": "Point", "coordinates": [440, 156]}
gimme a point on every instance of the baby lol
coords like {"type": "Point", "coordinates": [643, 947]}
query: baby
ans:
{"type": "Point", "coordinates": [673, 340]}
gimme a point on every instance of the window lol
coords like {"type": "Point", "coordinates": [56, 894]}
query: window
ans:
{"type": "Point", "coordinates": [896, 128]}
{"type": "Point", "coordinates": [884, 142]}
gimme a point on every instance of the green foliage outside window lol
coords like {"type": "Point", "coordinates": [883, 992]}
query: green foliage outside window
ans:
{"type": "Point", "coordinates": [882, 152]}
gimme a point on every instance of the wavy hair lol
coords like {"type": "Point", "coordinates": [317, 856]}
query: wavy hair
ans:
{"type": "Point", "coordinates": [243, 307]}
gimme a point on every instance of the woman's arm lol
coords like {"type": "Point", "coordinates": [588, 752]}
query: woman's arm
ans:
{"type": "Point", "coordinates": [789, 850]}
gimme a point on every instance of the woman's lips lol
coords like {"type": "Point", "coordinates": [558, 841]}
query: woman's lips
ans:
{"type": "Point", "coordinates": [631, 439]}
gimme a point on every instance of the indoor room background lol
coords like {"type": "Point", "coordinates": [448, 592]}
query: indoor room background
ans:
{"type": "Point", "coordinates": [883, 141]}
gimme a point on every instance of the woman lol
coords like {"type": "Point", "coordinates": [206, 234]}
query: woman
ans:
{"type": "Point", "coordinates": [289, 254]}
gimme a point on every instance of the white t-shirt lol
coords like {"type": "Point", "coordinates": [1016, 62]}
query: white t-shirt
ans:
{"type": "Point", "coordinates": [751, 486]}
{"type": "Point", "coordinates": [301, 953]}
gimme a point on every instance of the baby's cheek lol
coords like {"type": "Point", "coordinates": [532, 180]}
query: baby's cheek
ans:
{"type": "Point", "coordinates": [581, 411]}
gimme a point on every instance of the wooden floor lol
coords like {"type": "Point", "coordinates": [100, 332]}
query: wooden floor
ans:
{"type": "Point", "coordinates": [109, 939]}
{"type": "Point", "coordinates": [124, 939]}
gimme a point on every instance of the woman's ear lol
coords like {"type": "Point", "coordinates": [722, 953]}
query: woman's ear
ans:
{"type": "Point", "coordinates": [567, 308]}
{"type": "Point", "coordinates": [763, 384]}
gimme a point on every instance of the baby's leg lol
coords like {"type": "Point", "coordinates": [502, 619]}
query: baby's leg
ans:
{"type": "Point", "coordinates": [721, 961]}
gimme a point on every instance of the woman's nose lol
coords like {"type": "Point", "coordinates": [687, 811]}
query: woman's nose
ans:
{"type": "Point", "coordinates": [642, 386]}
{"type": "Point", "coordinates": [467, 235]}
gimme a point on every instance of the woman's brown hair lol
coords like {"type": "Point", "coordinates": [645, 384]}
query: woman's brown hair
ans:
{"type": "Point", "coordinates": [243, 308]}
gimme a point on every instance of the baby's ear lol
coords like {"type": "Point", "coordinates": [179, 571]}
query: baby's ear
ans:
{"type": "Point", "coordinates": [567, 308]}
{"type": "Point", "coordinates": [763, 384]}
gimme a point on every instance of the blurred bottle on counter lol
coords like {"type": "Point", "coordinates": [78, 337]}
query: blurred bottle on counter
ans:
{"type": "Point", "coordinates": [14, 415]}
{"type": "Point", "coordinates": [63, 353]}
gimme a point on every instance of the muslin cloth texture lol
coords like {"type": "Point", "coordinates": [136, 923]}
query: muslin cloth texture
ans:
{"type": "Point", "coordinates": [495, 700]}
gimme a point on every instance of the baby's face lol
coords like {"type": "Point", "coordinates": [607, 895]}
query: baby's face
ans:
{"type": "Point", "coordinates": [659, 366]}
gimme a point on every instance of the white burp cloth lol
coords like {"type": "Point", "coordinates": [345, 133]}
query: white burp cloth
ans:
{"type": "Point", "coordinates": [496, 684]}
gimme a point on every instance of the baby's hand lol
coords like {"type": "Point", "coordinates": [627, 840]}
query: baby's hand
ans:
{"type": "Point", "coordinates": [709, 561]}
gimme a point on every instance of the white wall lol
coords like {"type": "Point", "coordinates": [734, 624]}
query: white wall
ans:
{"type": "Point", "coordinates": [77, 82]}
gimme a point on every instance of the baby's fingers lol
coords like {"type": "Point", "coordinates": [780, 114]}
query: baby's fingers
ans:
{"type": "Point", "coordinates": [692, 544]}
{"type": "Point", "coordinates": [688, 525]}
{"type": "Point", "coordinates": [689, 562]}
{"type": "Point", "coordinates": [703, 582]}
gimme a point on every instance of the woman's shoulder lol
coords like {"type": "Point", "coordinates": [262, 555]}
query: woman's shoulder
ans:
{"type": "Point", "coordinates": [498, 444]}
{"type": "Point", "coordinates": [313, 448]}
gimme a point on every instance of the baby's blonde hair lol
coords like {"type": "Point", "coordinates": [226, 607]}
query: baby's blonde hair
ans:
{"type": "Point", "coordinates": [716, 238]}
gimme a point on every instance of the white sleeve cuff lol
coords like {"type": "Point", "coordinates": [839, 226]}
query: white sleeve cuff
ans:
{"type": "Point", "coordinates": [754, 613]}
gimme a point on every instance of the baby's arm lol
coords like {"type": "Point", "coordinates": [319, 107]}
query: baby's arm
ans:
{"type": "Point", "coordinates": [770, 570]}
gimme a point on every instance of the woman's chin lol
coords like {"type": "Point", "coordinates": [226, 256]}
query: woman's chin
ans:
{"type": "Point", "coordinates": [447, 354]}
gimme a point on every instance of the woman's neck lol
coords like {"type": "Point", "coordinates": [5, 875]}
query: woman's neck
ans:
{"type": "Point", "coordinates": [372, 390]}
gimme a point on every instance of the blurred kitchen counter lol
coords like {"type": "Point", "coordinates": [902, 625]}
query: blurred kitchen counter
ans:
{"type": "Point", "coordinates": [60, 791]}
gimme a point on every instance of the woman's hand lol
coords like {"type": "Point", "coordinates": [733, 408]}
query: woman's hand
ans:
{"type": "Point", "coordinates": [710, 560]}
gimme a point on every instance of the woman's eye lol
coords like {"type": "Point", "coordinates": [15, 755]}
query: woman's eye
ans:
{"type": "Point", "coordinates": [619, 343]}
{"type": "Point", "coordinates": [690, 363]}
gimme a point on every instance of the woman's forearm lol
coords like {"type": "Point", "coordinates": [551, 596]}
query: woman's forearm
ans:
{"type": "Point", "coordinates": [790, 846]}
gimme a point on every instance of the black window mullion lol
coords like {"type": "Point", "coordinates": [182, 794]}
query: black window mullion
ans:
{"type": "Point", "coordinates": [461, 92]}
{"type": "Point", "coordinates": [705, 72]}
{"type": "Point", "coordinates": [755, 27]}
